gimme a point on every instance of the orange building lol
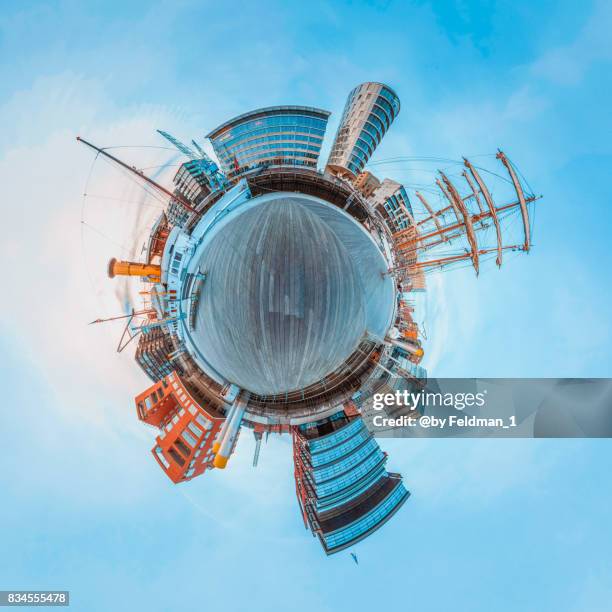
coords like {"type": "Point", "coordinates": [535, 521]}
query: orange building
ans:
{"type": "Point", "coordinates": [188, 429]}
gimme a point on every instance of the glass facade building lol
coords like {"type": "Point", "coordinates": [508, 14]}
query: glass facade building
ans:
{"type": "Point", "coordinates": [154, 346]}
{"type": "Point", "coordinates": [277, 136]}
{"type": "Point", "coordinates": [192, 180]}
{"type": "Point", "coordinates": [369, 111]}
{"type": "Point", "coordinates": [391, 200]}
{"type": "Point", "coordinates": [345, 492]}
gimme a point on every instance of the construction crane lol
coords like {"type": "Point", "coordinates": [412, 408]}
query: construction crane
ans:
{"type": "Point", "coordinates": [216, 178]}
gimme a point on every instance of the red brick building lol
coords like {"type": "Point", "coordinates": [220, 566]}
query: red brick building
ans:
{"type": "Point", "coordinates": [188, 429]}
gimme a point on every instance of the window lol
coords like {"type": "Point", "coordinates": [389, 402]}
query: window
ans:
{"type": "Point", "coordinates": [185, 450]}
{"type": "Point", "coordinates": [195, 430]}
{"type": "Point", "coordinates": [160, 456]}
{"type": "Point", "coordinates": [348, 462]}
{"type": "Point", "coordinates": [369, 521]}
{"type": "Point", "coordinates": [337, 437]}
{"type": "Point", "coordinates": [337, 452]}
{"type": "Point", "coordinates": [188, 438]}
{"type": "Point", "coordinates": [204, 422]}
{"type": "Point", "coordinates": [347, 479]}
{"type": "Point", "coordinates": [177, 458]}
{"type": "Point", "coordinates": [351, 492]}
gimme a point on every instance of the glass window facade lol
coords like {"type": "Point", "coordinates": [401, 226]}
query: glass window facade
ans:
{"type": "Point", "coordinates": [343, 487]}
{"type": "Point", "coordinates": [341, 450]}
{"type": "Point", "coordinates": [152, 353]}
{"type": "Point", "coordinates": [348, 461]}
{"type": "Point", "coordinates": [348, 478]}
{"type": "Point", "coordinates": [193, 179]}
{"type": "Point", "coordinates": [280, 135]}
{"type": "Point", "coordinates": [334, 439]}
{"type": "Point", "coordinates": [393, 203]}
{"type": "Point", "coordinates": [350, 493]}
{"type": "Point", "coordinates": [353, 532]}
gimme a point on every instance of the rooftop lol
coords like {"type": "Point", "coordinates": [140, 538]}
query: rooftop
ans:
{"type": "Point", "coordinates": [268, 110]}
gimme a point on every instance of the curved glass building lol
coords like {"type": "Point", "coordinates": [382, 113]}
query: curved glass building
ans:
{"type": "Point", "coordinates": [343, 488]}
{"type": "Point", "coordinates": [273, 136]}
{"type": "Point", "coordinates": [369, 112]}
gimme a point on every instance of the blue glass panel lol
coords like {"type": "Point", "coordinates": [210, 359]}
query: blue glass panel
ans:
{"type": "Point", "coordinates": [377, 123]}
{"type": "Point", "coordinates": [347, 463]}
{"type": "Point", "coordinates": [392, 99]}
{"type": "Point", "coordinates": [381, 115]}
{"type": "Point", "coordinates": [369, 521]}
{"type": "Point", "coordinates": [336, 437]}
{"type": "Point", "coordinates": [352, 492]}
{"type": "Point", "coordinates": [387, 108]}
{"type": "Point", "coordinates": [340, 450]}
{"type": "Point", "coordinates": [349, 478]}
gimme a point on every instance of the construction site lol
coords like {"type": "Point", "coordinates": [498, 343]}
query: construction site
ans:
{"type": "Point", "coordinates": [279, 294]}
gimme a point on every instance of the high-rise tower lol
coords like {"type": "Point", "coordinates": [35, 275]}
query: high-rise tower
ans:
{"type": "Point", "coordinates": [343, 488]}
{"type": "Point", "coordinates": [369, 112]}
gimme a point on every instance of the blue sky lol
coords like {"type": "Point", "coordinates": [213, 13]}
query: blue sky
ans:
{"type": "Point", "coordinates": [505, 525]}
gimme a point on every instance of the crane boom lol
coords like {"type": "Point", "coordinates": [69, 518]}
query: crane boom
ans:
{"type": "Point", "coordinates": [183, 148]}
{"type": "Point", "coordinates": [140, 175]}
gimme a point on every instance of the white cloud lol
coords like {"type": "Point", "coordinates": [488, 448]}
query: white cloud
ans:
{"type": "Point", "coordinates": [55, 276]}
